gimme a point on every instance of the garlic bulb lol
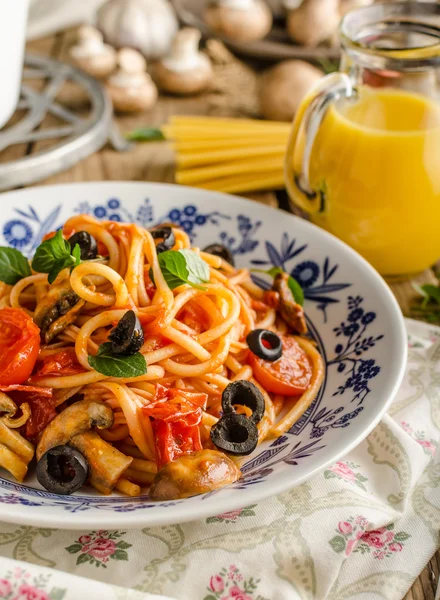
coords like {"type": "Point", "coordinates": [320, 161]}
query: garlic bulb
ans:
{"type": "Point", "coordinates": [147, 25]}
{"type": "Point", "coordinates": [313, 22]}
{"type": "Point", "coordinates": [185, 70]}
{"type": "Point", "coordinates": [131, 88]}
{"type": "Point", "coordinates": [241, 20]}
{"type": "Point", "coordinates": [91, 54]}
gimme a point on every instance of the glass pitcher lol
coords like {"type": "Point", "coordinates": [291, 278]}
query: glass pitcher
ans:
{"type": "Point", "coordinates": [364, 152]}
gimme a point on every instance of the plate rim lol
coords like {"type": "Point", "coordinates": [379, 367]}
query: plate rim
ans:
{"type": "Point", "coordinates": [183, 514]}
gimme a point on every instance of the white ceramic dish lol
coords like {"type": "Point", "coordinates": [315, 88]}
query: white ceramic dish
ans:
{"type": "Point", "coordinates": [352, 314]}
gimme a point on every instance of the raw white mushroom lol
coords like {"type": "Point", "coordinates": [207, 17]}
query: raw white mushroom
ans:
{"type": "Point", "coordinates": [284, 86]}
{"type": "Point", "coordinates": [147, 25]}
{"type": "Point", "coordinates": [241, 20]}
{"type": "Point", "coordinates": [91, 54]}
{"type": "Point", "coordinates": [185, 70]}
{"type": "Point", "coordinates": [131, 88]}
{"type": "Point", "coordinates": [313, 22]}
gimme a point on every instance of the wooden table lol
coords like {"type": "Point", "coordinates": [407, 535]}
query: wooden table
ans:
{"type": "Point", "coordinates": [154, 162]}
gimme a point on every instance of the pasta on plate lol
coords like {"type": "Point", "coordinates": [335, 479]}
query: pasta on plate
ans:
{"type": "Point", "coordinates": [130, 359]}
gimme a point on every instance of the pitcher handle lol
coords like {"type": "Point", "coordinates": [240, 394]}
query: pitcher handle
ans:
{"type": "Point", "coordinates": [306, 124]}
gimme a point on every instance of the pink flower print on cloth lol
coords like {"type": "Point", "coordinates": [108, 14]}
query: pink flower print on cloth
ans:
{"type": "Point", "coordinates": [229, 584]}
{"type": "Point", "coordinates": [20, 585]}
{"type": "Point", "coordinates": [381, 543]}
{"type": "Point", "coordinates": [349, 533]}
{"type": "Point", "coordinates": [429, 446]}
{"type": "Point", "coordinates": [233, 515]}
{"type": "Point", "coordinates": [98, 547]}
{"type": "Point", "coordinates": [348, 472]}
{"type": "Point", "coordinates": [5, 588]}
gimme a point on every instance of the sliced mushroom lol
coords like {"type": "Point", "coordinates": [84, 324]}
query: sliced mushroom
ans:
{"type": "Point", "coordinates": [75, 419]}
{"type": "Point", "coordinates": [57, 310]}
{"type": "Point", "coordinates": [12, 463]}
{"type": "Point", "coordinates": [289, 309]}
{"type": "Point", "coordinates": [193, 474]}
{"type": "Point", "coordinates": [7, 405]}
{"type": "Point", "coordinates": [15, 452]}
{"type": "Point", "coordinates": [106, 463]}
{"type": "Point", "coordinates": [9, 409]}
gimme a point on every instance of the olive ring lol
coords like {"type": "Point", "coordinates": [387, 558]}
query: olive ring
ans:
{"type": "Point", "coordinates": [265, 344]}
{"type": "Point", "coordinates": [221, 251]}
{"type": "Point", "coordinates": [167, 235]}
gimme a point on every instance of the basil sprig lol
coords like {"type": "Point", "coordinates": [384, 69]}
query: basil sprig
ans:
{"type": "Point", "coordinates": [117, 365]}
{"type": "Point", "coordinates": [54, 255]}
{"type": "Point", "coordinates": [429, 306]}
{"type": "Point", "coordinates": [13, 265]}
{"type": "Point", "coordinates": [183, 266]}
{"type": "Point", "coordinates": [294, 286]}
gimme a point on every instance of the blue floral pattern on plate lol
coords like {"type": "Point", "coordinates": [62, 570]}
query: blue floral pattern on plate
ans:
{"type": "Point", "coordinates": [351, 357]}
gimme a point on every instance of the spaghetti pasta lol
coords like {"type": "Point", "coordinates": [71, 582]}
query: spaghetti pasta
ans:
{"type": "Point", "coordinates": [159, 345]}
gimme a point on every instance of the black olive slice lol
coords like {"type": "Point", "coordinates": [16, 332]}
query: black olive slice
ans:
{"type": "Point", "coordinates": [166, 234]}
{"type": "Point", "coordinates": [244, 393]}
{"type": "Point", "coordinates": [62, 470]}
{"type": "Point", "coordinates": [235, 434]}
{"type": "Point", "coordinates": [127, 337]}
{"type": "Point", "coordinates": [222, 251]}
{"type": "Point", "coordinates": [271, 350]}
{"type": "Point", "coordinates": [87, 244]}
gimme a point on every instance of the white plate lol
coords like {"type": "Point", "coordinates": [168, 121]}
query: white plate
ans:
{"type": "Point", "coordinates": [352, 314]}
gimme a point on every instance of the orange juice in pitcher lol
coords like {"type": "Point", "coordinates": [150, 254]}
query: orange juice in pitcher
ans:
{"type": "Point", "coordinates": [364, 155]}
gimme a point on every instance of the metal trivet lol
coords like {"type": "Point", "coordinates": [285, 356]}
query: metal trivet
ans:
{"type": "Point", "coordinates": [75, 137]}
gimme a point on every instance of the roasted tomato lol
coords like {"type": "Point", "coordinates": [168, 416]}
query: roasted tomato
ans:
{"type": "Point", "coordinates": [19, 345]}
{"type": "Point", "coordinates": [63, 362]}
{"type": "Point", "coordinates": [41, 402]}
{"type": "Point", "coordinates": [289, 375]}
{"type": "Point", "coordinates": [176, 415]}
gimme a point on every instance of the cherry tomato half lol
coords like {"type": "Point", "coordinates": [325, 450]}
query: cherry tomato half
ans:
{"type": "Point", "coordinates": [289, 375]}
{"type": "Point", "coordinates": [19, 345]}
{"type": "Point", "coordinates": [63, 362]}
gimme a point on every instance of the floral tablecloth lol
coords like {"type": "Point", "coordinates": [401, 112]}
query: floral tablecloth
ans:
{"type": "Point", "coordinates": [363, 528]}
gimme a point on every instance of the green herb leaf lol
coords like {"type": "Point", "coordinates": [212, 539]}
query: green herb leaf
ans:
{"type": "Point", "coordinates": [294, 286]}
{"type": "Point", "coordinates": [296, 290]}
{"type": "Point", "coordinates": [13, 265]}
{"type": "Point", "coordinates": [198, 270]}
{"type": "Point", "coordinates": [76, 253]}
{"type": "Point", "coordinates": [145, 134]}
{"type": "Point", "coordinates": [432, 292]}
{"type": "Point", "coordinates": [117, 365]}
{"type": "Point", "coordinates": [53, 255]}
{"type": "Point", "coordinates": [183, 266]}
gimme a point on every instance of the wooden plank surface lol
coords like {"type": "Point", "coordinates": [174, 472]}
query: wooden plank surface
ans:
{"type": "Point", "coordinates": [154, 162]}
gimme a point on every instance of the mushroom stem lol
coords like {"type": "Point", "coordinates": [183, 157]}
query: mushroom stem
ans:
{"type": "Point", "coordinates": [106, 463]}
{"type": "Point", "coordinates": [184, 54]}
{"type": "Point", "coordinates": [15, 452]}
{"type": "Point", "coordinates": [73, 420]}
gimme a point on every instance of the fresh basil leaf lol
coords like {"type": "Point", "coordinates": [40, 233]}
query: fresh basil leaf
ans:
{"type": "Point", "coordinates": [53, 255]}
{"type": "Point", "coordinates": [145, 134]}
{"type": "Point", "coordinates": [76, 253]}
{"type": "Point", "coordinates": [198, 270]}
{"type": "Point", "coordinates": [294, 286]}
{"type": "Point", "coordinates": [183, 266]}
{"type": "Point", "coordinates": [58, 267]}
{"type": "Point", "coordinates": [296, 290]}
{"type": "Point", "coordinates": [432, 291]}
{"type": "Point", "coordinates": [274, 271]}
{"type": "Point", "coordinates": [13, 265]}
{"type": "Point", "coordinates": [117, 365]}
